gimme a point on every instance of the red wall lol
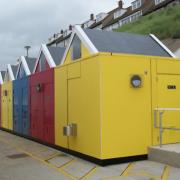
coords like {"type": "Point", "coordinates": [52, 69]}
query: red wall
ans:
{"type": "Point", "coordinates": [42, 106]}
{"type": "Point", "coordinates": [0, 106]}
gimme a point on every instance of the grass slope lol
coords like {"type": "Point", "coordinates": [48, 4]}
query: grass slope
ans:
{"type": "Point", "coordinates": [164, 24]}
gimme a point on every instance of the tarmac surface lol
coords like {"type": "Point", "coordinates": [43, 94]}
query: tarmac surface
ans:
{"type": "Point", "coordinates": [22, 159]}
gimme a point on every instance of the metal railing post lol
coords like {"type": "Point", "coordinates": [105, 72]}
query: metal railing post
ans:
{"type": "Point", "coordinates": [160, 128]}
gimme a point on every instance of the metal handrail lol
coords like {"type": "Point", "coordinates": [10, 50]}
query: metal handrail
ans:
{"type": "Point", "coordinates": [160, 127]}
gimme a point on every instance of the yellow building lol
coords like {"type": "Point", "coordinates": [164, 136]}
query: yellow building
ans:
{"type": "Point", "coordinates": [7, 98]}
{"type": "Point", "coordinates": [107, 89]}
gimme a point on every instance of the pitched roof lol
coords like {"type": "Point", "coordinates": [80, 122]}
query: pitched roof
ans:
{"type": "Point", "coordinates": [128, 43]}
{"type": "Point", "coordinates": [115, 42]}
{"type": "Point", "coordinates": [56, 53]}
{"type": "Point", "coordinates": [14, 69]}
{"type": "Point", "coordinates": [31, 63]}
{"type": "Point", "coordinates": [3, 74]}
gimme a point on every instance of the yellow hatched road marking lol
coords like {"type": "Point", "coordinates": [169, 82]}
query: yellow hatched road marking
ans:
{"type": "Point", "coordinates": [166, 173]}
{"type": "Point", "coordinates": [53, 156]}
{"type": "Point", "coordinates": [126, 171]}
{"type": "Point", "coordinates": [89, 173]}
{"type": "Point", "coordinates": [41, 160]}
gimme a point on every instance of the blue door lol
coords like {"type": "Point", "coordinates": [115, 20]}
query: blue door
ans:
{"type": "Point", "coordinates": [20, 106]}
{"type": "Point", "coordinates": [25, 107]}
{"type": "Point", "coordinates": [16, 107]}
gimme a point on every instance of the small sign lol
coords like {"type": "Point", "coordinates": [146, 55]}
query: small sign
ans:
{"type": "Point", "coordinates": [171, 86]}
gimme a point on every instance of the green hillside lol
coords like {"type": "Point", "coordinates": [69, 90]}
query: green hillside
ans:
{"type": "Point", "coordinates": [164, 24]}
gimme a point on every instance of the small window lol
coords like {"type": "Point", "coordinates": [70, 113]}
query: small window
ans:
{"type": "Point", "coordinates": [158, 1]}
{"type": "Point", "coordinates": [136, 4]}
{"type": "Point", "coordinates": [76, 48]}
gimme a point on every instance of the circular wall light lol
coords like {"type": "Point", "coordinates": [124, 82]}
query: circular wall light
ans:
{"type": "Point", "coordinates": [136, 81]}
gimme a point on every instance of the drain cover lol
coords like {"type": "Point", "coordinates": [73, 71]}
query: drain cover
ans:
{"type": "Point", "coordinates": [17, 156]}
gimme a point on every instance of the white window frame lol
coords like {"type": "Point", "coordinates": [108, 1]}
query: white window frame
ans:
{"type": "Point", "coordinates": [136, 4]}
{"type": "Point", "coordinates": [158, 1]}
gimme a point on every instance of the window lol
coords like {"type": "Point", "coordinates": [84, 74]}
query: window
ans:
{"type": "Point", "coordinates": [158, 1]}
{"type": "Point", "coordinates": [76, 48]}
{"type": "Point", "coordinates": [136, 4]}
{"type": "Point", "coordinates": [119, 13]}
{"type": "Point", "coordinates": [136, 16]}
{"type": "Point", "coordinates": [131, 18]}
{"type": "Point", "coordinates": [88, 23]}
{"type": "Point", "coordinates": [100, 17]}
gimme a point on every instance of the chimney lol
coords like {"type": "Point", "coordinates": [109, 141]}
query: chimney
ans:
{"type": "Point", "coordinates": [92, 17]}
{"type": "Point", "coordinates": [62, 31]}
{"type": "Point", "coordinates": [120, 4]}
{"type": "Point", "coordinates": [70, 27]}
{"type": "Point", "coordinates": [82, 25]}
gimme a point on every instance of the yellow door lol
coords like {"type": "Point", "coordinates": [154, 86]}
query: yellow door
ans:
{"type": "Point", "coordinates": [84, 107]}
{"type": "Point", "coordinates": [61, 106]}
{"type": "Point", "coordinates": [168, 98]}
{"type": "Point", "coordinates": [7, 120]}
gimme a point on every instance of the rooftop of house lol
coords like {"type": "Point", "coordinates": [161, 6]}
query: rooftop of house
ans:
{"type": "Point", "coordinates": [31, 63]}
{"type": "Point", "coordinates": [3, 74]}
{"type": "Point", "coordinates": [127, 43]}
{"type": "Point", "coordinates": [14, 69]}
{"type": "Point", "coordinates": [56, 53]}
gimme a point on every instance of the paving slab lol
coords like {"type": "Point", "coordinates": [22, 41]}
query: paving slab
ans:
{"type": "Point", "coordinates": [103, 172]}
{"type": "Point", "coordinates": [79, 168]}
{"type": "Point", "coordinates": [60, 160]}
{"type": "Point", "coordinates": [25, 168]}
{"type": "Point", "coordinates": [119, 167]}
{"type": "Point", "coordinates": [149, 168]}
{"type": "Point", "coordinates": [53, 164]}
{"type": "Point", "coordinates": [174, 174]}
{"type": "Point", "coordinates": [45, 155]}
{"type": "Point", "coordinates": [133, 178]}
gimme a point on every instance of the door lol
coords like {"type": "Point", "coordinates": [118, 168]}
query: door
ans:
{"type": "Point", "coordinates": [61, 106]}
{"type": "Point", "coordinates": [16, 109]}
{"type": "Point", "coordinates": [168, 97]}
{"type": "Point", "coordinates": [48, 98]}
{"type": "Point", "coordinates": [36, 113]}
{"type": "Point", "coordinates": [25, 106]}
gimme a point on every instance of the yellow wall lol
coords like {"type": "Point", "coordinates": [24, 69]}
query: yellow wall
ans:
{"type": "Point", "coordinates": [113, 118]}
{"type": "Point", "coordinates": [166, 72]}
{"type": "Point", "coordinates": [126, 111]}
{"type": "Point", "coordinates": [7, 106]}
{"type": "Point", "coordinates": [77, 101]}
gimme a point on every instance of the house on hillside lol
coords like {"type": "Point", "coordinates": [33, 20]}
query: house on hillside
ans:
{"type": "Point", "coordinates": [115, 18]}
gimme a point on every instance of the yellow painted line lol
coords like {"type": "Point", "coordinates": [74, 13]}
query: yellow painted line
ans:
{"type": "Point", "coordinates": [166, 173]}
{"type": "Point", "coordinates": [53, 156]}
{"type": "Point", "coordinates": [91, 172]}
{"type": "Point", "coordinates": [41, 160]}
{"type": "Point", "coordinates": [67, 164]}
{"type": "Point", "coordinates": [126, 171]}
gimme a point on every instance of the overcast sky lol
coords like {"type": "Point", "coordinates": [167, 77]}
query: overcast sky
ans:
{"type": "Point", "coordinates": [32, 22]}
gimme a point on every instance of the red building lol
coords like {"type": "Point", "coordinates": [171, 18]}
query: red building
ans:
{"type": "Point", "coordinates": [42, 94]}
